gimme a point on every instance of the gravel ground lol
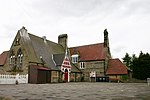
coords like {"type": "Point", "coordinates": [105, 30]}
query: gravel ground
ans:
{"type": "Point", "coordinates": [76, 91]}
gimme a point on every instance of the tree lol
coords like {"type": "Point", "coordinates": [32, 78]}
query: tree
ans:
{"type": "Point", "coordinates": [133, 58]}
{"type": "Point", "coordinates": [141, 68]}
{"type": "Point", "coordinates": [139, 65]}
{"type": "Point", "coordinates": [127, 60]}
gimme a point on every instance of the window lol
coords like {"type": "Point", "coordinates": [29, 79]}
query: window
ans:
{"type": "Point", "coordinates": [17, 42]}
{"type": "Point", "coordinates": [74, 58]}
{"type": "Point", "coordinates": [19, 59]}
{"type": "Point", "coordinates": [82, 65]}
{"type": "Point", "coordinates": [12, 61]}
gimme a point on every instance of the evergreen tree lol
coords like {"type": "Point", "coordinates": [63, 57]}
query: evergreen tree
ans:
{"type": "Point", "coordinates": [140, 65]}
{"type": "Point", "coordinates": [142, 68]}
{"type": "Point", "coordinates": [127, 60]}
{"type": "Point", "coordinates": [133, 58]}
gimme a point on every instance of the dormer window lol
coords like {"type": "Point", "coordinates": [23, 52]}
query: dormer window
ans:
{"type": "Point", "coordinates": [75, 58]}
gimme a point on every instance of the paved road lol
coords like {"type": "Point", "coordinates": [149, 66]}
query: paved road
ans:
{"type": "Point", "coordinates": [76, 91]}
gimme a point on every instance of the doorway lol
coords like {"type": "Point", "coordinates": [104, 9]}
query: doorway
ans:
{"type": "Point", "coordinates": [66, 75]}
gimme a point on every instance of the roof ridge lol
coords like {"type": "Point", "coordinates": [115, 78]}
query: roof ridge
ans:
{"type": "Point", "coordinates": [114, 59]}
{"type": "Point", "coordinates": [86, 45]}
{"type": "Point", "coordinates": [4, 52]}
{"type": "Point", "coordinates": [42, 38]}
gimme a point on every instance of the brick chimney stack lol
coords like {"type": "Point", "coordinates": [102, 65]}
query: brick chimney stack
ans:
{"type": "Point", "coordinates": [62, 40]}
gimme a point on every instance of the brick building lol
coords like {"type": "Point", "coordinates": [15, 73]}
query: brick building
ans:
{"type": "Point", "coordinates": [95, 61]}
{"type": "Point", "coordinates": [48, 62]}
{"type": "Point", "coordinates": [44, 60]}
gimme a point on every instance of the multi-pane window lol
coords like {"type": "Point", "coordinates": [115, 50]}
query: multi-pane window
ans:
{"type": "Point", "coordinates": [16, 61]}
{"type": "Point", "coordinates": [19, 59]}
{"type": "Point", "coordinates": [74, 58]}
{"type": "Point", "coordinates": [12, 61]}
{"type": "Point", "coordinates": [82, 65]}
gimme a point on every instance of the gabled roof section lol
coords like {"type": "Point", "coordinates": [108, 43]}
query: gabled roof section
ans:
{"type": "Point", "coordinates": [89, 52]}
{"type": "Point", "coordinates": [45, 49]}
{"type": "Point", "coordinates": [3, 57]}
{"type": "Point", "coordinates": [74, 68]}
{"type": "Point", "coordinates": [116, 67]}
{"type": "Point", "coordinates": [58, 59]}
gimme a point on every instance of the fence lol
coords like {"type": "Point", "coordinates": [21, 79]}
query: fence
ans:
{"type": "Point", "coordinates": [13, 79]}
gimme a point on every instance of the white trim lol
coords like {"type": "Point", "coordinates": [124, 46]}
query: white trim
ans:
{"type": "Point", "coordinates": [67, 65]}
{"type": "Point", "coordinates": [68, 73]}
{"type": "Point", "coordinates": [75, 55]}
{"type": "Point", "coordinates": [53, 59]}
{"type": "Point", "coordinates": [75, 58]}
{"type": "Point", "coordinates": [68, 76]}
{"type": "Point", "coordinates": [82, 65]}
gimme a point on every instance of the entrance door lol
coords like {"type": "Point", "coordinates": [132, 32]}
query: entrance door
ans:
{"type": "Point", "coordinates": [66, 75]}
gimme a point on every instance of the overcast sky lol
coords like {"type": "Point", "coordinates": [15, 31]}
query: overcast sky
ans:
{"type": "Point", "coordinates": [127, 21]}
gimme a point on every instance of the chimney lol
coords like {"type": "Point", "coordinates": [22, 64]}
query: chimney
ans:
{"type": "Point", "coordinates": [62, 40]}
{"type": "Point", "coordinates": [106, 40]}
{"type": "Point", "coordinates": [44, 38]}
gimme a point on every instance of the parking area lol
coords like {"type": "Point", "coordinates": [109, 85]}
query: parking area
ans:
{"type": "Point", "coordinates": [76, 91]}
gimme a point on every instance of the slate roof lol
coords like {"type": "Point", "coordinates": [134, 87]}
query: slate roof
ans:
{"type": "Point", "coordinates": [58, 59]}
{"type": "Point", "coordinates": [45, 50]}
{"type": "Point", "coordinates": [75, 68]}
{"type": "Point", "coordinates": [41, 50]}
{"type": "Point", "coordinates": [89, 52]}
{"type": "Point", "coordinates": [3, 57]}
{"type": "Point", "coordinates": [116, 67]}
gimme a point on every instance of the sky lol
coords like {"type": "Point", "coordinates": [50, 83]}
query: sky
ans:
{"type": "Point", "coordinates": [127, 22]}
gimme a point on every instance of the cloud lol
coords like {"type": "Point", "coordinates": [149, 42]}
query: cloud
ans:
{"type": "Point", "coordinates": [127, 21]}
{"type": "Point", "coordinates": [64, 7]}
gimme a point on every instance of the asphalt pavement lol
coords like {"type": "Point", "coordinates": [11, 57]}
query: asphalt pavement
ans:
{"type": "Point", "coordinates": [76, 91]}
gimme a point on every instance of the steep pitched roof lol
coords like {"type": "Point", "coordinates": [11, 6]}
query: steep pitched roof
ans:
{"type": "Point", "coordinates": [40, 50]}
{"type": "Point", "coordinates": [74, 68]}
{"type": "Point", "coordinates": [45, 49]}
{"type": "Point", "coordinates": [3, 57]}
{"type": "Point", "coordinates": [116, 67]}
{"type": "Point", "coordinates": [58, 59]}
{"type": "Point", "coordinates": [89, 52]}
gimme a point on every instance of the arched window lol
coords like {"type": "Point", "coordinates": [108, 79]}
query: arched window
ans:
{"type": "Point", "coordinates": [12, 59]}
{"type": "Point", "coordinates": [19, 59]}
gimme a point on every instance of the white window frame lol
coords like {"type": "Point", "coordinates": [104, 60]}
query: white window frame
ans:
{"type": "Point", "coordinates": [19, 60]}
{"type": "Point", "coordinates": [75, 58]}
{"type": "Point", "coordinates": [12, 60]}
{"type": "Point", "coordinates": [82, 65]}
